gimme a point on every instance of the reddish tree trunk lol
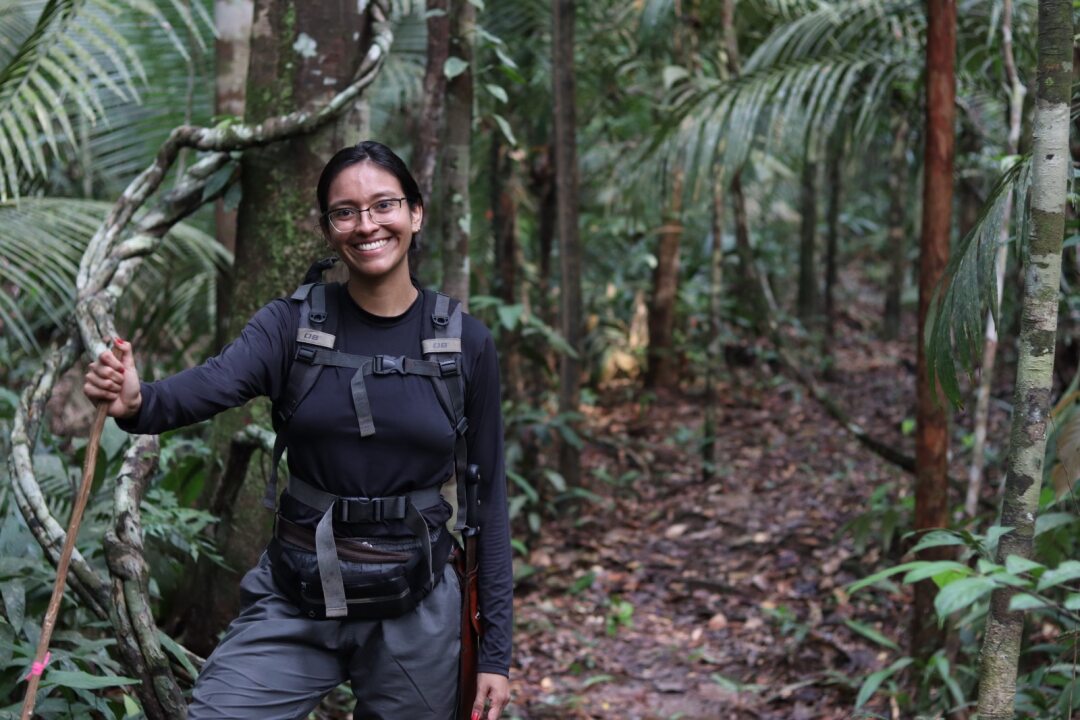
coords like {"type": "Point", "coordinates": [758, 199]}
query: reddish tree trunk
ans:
{"type": "Point", "coordinates": [932, 433]}
{"type": "Point", "coordinates": [663, 370]}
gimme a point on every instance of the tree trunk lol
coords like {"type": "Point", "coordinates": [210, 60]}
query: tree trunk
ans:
{"type": "Point", "coordinates": [932, 433]}
{"type": "Point", "coordinates": [232, 22]}
{"type": "Point", "coordinates": [1017, 91]}
{"type": "Point", "coordinates": [715, 350]}
{"type": "Point", "coordinates": [832, 243]}
{"type": "Point", "coordinates": [454, 208]}
{"type": "Point", "coordinates": [897, 233]}
{"type": "Point", "coordinates": [432, 113]}
{"type": "Point", "coordinates": [542, 178]}
{"type": "Point", "coordinates": [504, 232]}
{"type": "Point", "coordinates": [1038, 334]}
{"type": "Point", "coordinates": [566, 198]}
{"type": "Point", "coordinates": [808, 292]}
{"type": "Point", "coordinates": [663, 369]}
{"type": "Point", "coordinates": [298, 58]}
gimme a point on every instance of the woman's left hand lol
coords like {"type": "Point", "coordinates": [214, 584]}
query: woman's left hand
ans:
{"type": "Point", "coordinates": [494, 689]}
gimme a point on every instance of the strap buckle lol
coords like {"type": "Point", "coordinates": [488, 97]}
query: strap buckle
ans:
{"type": "Point", "coordinates": [449, 367]}
{"type": "Point", "coordinates": [358, 509]}
{"type": "Point", "coordinates": [387, 364]}
{"type": "Point", "coordinates": [305, 353]}
{"type": "Point", "coordinates": [440, 320]}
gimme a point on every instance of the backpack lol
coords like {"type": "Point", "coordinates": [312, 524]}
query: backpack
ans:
{"type": "Point", "coordinates": [314, 349]}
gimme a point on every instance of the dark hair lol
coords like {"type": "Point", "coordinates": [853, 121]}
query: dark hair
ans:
{"type": "Point", "coordinates": [367, 151]}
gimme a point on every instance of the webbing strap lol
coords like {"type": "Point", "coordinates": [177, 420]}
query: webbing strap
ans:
{"type": "Point", "coordinates": [447, 330]}
{"type": "Point", "coordinates": [402, 507]}
{"type": "Point", "coordinates": [361, 403]}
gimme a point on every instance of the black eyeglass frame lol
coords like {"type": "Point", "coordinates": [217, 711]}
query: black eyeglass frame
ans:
{"type": "Point", "coordinates": [328, 213]}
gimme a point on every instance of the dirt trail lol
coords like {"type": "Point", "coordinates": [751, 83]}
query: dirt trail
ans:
{"type": "Point", "coordinates": [678, 599]}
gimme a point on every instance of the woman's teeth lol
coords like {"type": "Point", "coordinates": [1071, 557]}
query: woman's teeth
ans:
{"type": "Point", "coordinates": [373, 245]}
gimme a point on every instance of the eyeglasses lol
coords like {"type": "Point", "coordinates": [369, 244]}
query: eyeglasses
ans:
{"type": "Point", "coordinates": [346, 219]}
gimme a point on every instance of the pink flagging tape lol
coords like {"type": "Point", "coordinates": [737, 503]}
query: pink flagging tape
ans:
{"type": "Point", "coordinates": [39, 667]}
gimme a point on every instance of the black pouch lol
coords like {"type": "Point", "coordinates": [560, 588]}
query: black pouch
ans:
{"type": "Point", "coordinates": [373, 591]}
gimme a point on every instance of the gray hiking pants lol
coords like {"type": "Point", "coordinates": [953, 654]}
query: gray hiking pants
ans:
{"type": "Point", "coordinates": [276, 664]}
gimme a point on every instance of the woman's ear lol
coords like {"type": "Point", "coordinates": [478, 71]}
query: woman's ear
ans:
{"type": "Point", "coordinates": [417, 215]}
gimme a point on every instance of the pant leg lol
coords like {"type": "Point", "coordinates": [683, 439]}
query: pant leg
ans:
{"type": "Point", "coordinates": [273, 663]}
{"type": "Point", "coordinates": [410, 668]}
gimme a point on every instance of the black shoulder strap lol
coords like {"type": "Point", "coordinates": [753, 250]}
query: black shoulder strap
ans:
{"type": "Point", "coordinates": [316, 329]}
{"type": "Point", "coordinates": [442, 343]}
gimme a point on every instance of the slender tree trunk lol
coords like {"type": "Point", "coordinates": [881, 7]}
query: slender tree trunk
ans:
{"type": "Point", "coordinates": [432, 113]}
{"type": "Point", "coordinates": [832, 243]}
{"type": "Point", "coordinates": [293, 55]}
{"type": "Point", "coordinates": [715, 349]}
{"type": "Point", "coordinates": [663, 369]}
{"type": "Point", "coordinates": [232, 23]}
{"type": "Point", "coordinates": [543, 186]}
{"type": "Point", "coordinates": [1038, 333]}
{"type": "Point", "coordinates": [750, 287]}
{"type": "Point", "coordinates": [932, 434]}
{"type": "Point", "coordinates": [807, 302]}
{"type": "Point", "coordinates": [897, 235]}
{"type": "Point", "coordinates": [566, 198]}
{"type": "Point", "coordinates": [1017, 91]}
{"type": "Point", "coordinates": [504, 231]}
{"type": "Point", "coordinates": [455, 207]}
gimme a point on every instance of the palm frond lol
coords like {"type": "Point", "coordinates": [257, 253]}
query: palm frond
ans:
{"type": "Point", "coordinates": [41, 244]}
{"type": "Point", "coordinates": [956, 324]}
{"type": "Point", "coordinates": [68, 65]}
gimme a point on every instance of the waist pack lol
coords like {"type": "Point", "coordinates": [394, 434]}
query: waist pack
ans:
{"type": "Point", "coordinates": [383, 586]}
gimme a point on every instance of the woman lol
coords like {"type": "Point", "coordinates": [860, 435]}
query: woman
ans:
{"type": "Point", "coordinates": [357, 434]}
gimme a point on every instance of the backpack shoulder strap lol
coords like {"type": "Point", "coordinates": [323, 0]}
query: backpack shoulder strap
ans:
{"type": "Point", "coordinates": [316, 329]}
{"type": "Point", "coordinates": [442, 343]}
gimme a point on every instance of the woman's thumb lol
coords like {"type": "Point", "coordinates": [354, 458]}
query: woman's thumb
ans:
{"type": "Point", "coordinates": [122, 350]}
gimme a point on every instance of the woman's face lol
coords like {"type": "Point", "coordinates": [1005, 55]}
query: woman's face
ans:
{"type": "Point", "coordinates": [372, 250]}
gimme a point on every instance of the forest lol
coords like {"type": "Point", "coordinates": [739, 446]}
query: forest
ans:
{"type": "Point", "coordinates": [785, 296]}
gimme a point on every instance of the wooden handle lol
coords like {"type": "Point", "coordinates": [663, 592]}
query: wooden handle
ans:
{"type": "Point", "coordinates": [89, 467]}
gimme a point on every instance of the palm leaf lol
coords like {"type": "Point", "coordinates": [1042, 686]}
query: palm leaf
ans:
{"type": "Point", "coordinates": [69, 64]}
{"type": "Point", "coordinates": [956, 324]}
{"type": "Point", "coordinates": [41, 243]}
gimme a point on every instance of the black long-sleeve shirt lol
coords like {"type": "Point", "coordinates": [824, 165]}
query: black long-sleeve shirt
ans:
{"type": "Point", "coordinates": [413, 444]}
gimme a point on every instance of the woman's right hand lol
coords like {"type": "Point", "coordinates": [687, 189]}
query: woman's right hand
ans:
{"type": "Point", "coordinates": [112, 378]}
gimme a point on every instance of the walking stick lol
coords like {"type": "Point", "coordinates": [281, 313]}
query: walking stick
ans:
{"type": "Point", "coordinates": [41, 657]}
{"type": "Point", "coordinates": [471, 628]}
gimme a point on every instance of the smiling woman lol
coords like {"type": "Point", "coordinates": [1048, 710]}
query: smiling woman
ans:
{"type": "Point", "coordinates": [382, 392]}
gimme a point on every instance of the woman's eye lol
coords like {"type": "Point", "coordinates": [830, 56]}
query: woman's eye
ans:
{"type": "Point", "coordinates": [345, 214]}
{"type": "Point", "coordinates": [383, 205]}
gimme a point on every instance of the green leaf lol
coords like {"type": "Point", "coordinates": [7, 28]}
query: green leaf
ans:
{"type": "Point", "coordinates": [498, 92]}
{"type": "Point", "coordinates": [131, 707]}
{"type": "Point", "coordinates": [871, 634]}
{"type": "Point", "coordinates": [1072, 602]}
{"type": "Point", "coordinates": [84, 681]}
{"type": "Point", "coordinates": [582, 583]}
{"type": "Point", "coordinates": [961, 594]}
{"type": "Point", "coordinates": [938, 538]}
{"type": "Point", "coordinates": [945, 570]}
{"type": "Point", "coordinates": [177, 652]}
{"type": "Point", "coordinates": [1049, 521]}
{"type": "Point", "coordinates": [882, 574]}
{"type": "Point", "coordinates": [1063, 573]}
{"type": "Point", "coordinates": [504, 126]}
{"type": "Point", "coordinates": [510, 315]}
{"type": "Point", "coordinates": [557, 481]}
{"type": "Point", "coordinates": [1026, 601]}
{"type": "Point", "coordinates": [1018, 565]}
{"type": "Point", "coordinates": [993, 537]}
{"type": "Point", "coordinates": [673, 74]}
{"type": "Point", "coordinates": [453, 67]}
{"type": "Point", "coordinates": [873, 680]}
{"type": "Point", "coordinates": [14, 592]}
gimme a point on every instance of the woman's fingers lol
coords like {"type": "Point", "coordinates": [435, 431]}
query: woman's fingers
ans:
{"type": "Point", "coordinates": [113, 378]}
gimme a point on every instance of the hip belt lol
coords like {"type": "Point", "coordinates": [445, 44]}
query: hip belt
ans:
{"type": "Point", "coordinates": [407, 507]}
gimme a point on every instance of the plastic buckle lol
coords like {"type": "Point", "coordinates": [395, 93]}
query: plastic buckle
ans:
{"type": "Point", "coordinates": [317, 317]}
{"type": "Point", "coordinates": [363, 508]}
{"type": "Point", "coordinates": [462, 426]}
{"type": "Point", "coordinates": [449, 367]}
{"type": "Point", "coordinates": [440, 320]}
{"type": "Point", "coordinates": [387, 364]}
{"type": "Point", "coordinates": [305, 353]}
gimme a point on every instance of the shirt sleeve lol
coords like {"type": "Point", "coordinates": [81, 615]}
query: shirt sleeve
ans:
{"type": "Point", "coordinates": [485, 444]}
{"type": "Point", "coordinates": [256, 363]}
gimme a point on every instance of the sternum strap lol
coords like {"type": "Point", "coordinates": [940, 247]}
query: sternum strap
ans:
{"type": "Point", "coordinates": [405, 507]}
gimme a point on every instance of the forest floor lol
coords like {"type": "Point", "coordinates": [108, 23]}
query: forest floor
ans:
{"type": "Point", "coordinates": [672, 597]}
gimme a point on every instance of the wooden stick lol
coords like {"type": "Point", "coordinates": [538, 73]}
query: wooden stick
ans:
{"type": "Point", "coordinates": [89, 466]}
